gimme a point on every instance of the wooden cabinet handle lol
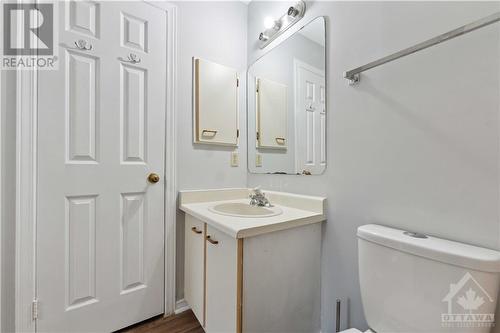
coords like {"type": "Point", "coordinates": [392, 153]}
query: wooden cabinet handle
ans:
{"type": "Point", "coordinates": [196, 231]}
{"type": "Point", "coordinates": [211, 240]}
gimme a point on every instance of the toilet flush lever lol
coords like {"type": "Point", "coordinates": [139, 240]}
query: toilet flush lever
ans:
{"type": "Point", "coordinates": [415, 235]}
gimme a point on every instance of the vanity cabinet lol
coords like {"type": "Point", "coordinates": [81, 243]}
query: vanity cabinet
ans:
{"type": "Point", "coordinates": [222, 276]}
{"type": "Point", "coordinates": [194, 269]}
{"type": "Point", "coordinates": [264, 283]}
{"type": "Point", "coordinates": [211, 276]}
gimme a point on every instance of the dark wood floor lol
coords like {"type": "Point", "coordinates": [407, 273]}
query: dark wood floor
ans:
{"type": "Point", "coordinates": [184, 322]}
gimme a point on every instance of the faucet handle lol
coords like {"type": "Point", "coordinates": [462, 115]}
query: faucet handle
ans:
{"type": "Point", "coordinates": [258, 191]}
{"type": "Point", "coordinates": [255, 192]}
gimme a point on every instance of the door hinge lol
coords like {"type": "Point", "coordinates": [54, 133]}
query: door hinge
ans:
{"type": "Point", "coordinates": [237, 133]}
{"type": "Point", "coordinates": [258, 136]}
{"type": "Point", "coordinates": [34, 309]}
{"type": "Point", "coordinates": [237, 82]}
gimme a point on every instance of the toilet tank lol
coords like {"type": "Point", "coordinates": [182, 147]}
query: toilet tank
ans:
{"type": "Point", "coordinates": [412, 283]}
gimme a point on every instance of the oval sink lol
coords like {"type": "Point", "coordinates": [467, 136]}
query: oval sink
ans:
{"type": "Point", "coordinates": [239, 209]}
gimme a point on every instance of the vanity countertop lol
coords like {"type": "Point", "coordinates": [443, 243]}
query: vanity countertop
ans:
{"type": "Point", "coordinates": [297, 210]}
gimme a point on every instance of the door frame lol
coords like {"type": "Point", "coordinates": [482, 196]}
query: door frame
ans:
{"type": "Point", "coordinates": [26, 182]}
{"type": "Point", "coordinates": [1, 186]}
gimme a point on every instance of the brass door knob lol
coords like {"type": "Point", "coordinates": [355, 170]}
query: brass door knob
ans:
{"type": "Point", "coordinates": [153, 178]}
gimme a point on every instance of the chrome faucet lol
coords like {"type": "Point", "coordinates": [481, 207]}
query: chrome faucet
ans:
{"type": "Point", "coordinates": [258, 198]}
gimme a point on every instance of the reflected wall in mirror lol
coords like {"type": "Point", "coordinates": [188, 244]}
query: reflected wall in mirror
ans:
{"type": "Point", "coordinates": [286, 107]}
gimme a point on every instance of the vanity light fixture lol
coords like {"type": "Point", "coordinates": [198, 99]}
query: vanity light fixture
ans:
{"type": "Point", "coordinates": [274, 28]}
{"type": "Point", "coordinates": [270, 23]}
{"type": "Point", "coordinates": [263, 37]}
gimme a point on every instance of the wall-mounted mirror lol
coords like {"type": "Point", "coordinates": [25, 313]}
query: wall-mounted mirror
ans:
{"type": "Point", "coordinates": [286, 107]}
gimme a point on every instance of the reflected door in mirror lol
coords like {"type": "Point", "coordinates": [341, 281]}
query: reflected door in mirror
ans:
{"type": "Point", "coordinates": [311, 119]}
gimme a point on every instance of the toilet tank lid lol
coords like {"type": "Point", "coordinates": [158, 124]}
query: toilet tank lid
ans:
{"type": "Point", "coordinates": [450, 252]}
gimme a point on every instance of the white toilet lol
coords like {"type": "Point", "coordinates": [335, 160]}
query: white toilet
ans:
{"type": "Point", "coordinates": [413, 283]}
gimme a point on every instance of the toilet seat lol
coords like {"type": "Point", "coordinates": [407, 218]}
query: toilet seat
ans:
{"type": "Point", "coordinates": [353, 330]}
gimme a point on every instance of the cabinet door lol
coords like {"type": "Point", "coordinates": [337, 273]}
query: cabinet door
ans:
{"type": "Point", "coordinates": [272, 109]}
{"type": "Point", "coordinates": [221, 282]}
{"type": "Point", "coordinates": [194, 266]}
{"type": "Point", "coordinates": [215, 103]}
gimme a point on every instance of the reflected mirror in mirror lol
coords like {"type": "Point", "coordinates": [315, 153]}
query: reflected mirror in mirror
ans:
{"type": "Point", "coordinates": [286, 107]}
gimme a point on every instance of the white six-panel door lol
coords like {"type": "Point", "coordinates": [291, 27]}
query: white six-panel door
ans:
{"type": "Point", "coordinates": [101, 132]}
{"type": "Point", "coordinates": [310, 119]}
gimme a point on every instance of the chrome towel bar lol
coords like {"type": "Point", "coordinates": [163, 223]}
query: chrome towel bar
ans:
{"type": "Point", "coordinates": [354, 74]}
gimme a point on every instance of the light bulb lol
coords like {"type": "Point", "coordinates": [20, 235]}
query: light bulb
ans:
{"type": "Point", "coordinates": [269, 22]}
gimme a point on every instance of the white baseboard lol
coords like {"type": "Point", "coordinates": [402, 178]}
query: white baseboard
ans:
{"type": "Point", "coordinates": [181, 306]}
